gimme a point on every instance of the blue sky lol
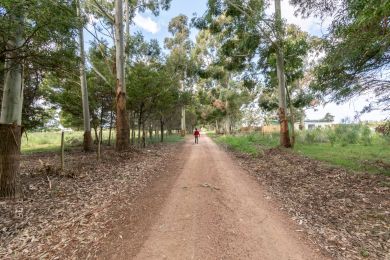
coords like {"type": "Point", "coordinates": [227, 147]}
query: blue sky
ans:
{"type": "Point", "coordinates": [147, 23]}
{"type": "Point", "coordinates": [157, 28]}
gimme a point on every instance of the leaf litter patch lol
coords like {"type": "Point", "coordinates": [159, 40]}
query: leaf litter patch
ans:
{"type": "Point", "coordinates": [63, 214]}
{"type": "Point", "coordinates": [346, 213]}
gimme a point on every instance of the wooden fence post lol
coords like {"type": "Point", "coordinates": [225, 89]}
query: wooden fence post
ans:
{"type": "Point", "coordinates": [62, 151]}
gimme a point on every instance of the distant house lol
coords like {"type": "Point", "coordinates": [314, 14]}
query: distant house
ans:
{"type": "Point", "coordinates": [312, 124]}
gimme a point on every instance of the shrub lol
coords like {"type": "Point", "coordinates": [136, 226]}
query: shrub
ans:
{"type": "Point", "coordinates": [365, 135]}
{"type": "Point", "coordinates": [347, 134]}
{"type": "Point", "coordinates": [310, 136]}
{"type": "Point", "coordinates": [383, 129]}
{"type": "Point", "coordinates": [332, 137]}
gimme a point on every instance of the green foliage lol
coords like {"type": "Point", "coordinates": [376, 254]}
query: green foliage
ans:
{"type": "Point", "coordinates": [310, 136]}
{"type": "Point", "coordinates": [49, 141]}
{"type": "Point", "coordinates": [356, 50]}
{"type": "Point", "coordinates": [49, 28]}
{"type": "Point", "coordinates": [366, 135]}
{"type": "Point", "coordinates": [339, 134]}
{"type": "Point", "coordinates": [332, 136]}
{"type": "Point", "coordinates": [374, 158]}
{"type": "Point", "coordinates": [253, 144]}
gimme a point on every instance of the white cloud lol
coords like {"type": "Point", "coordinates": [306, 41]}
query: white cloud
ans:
{"type": "Point", "coordinates": [314, 26]}
{"type": "Point", "coordinates": [146, 23]}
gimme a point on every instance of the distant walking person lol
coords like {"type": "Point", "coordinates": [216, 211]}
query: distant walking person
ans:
{"type": "Point", "coordinates": [196, 134]}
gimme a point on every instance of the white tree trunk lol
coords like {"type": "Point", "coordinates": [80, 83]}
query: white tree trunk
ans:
{"type": "Point", "coordinates": [284, 136]}
{"type": "Point", "coordinates": [183, 108]}
{"type": "Point", "coordinates": [280, 56]}
{"type": "Point", "coordinates": [11, 109]}
{"type": "Point", "coordinates": [122, 124]}
{"type": "Point", "coordinates": [119, 46]}
{"type": "Point", "coordinates": [84, 88]}
{"type": "Point", "coordinates": [183, 120]}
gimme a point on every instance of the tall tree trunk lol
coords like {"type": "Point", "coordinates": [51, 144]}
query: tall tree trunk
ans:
{"type": "Point", "coordinates": [183, 121]}
{"type": "Point", "coordinates": [109, 133]}
{"type": "Point", "coordinates": [95, 127]}
{"type": "Point", "coordinates": [183, 109]}
{"type": "Point", "coordinates": [87, 144]}
{"type": "Point", "coordinates": [284, 135]}
{"type": "Point", "coordinates": [133, 128]}
{"type": "Point", "coordinates": [302, 121]}
{"type": "Point", "coordinates": [143, 135]}
{"type": "Point", "coordinates": [162, 130]}
{"type": "Point", "coordinates": [227, 119]}
{"type": "Point", "coordinates": [122, 126]}
{"type": "Point", "coordinates": [139, 124]}
{"type": "Point", "coordinates": [11, 113]}
{"type": "Point", "coordinates": [101, 123]}
{"type": "Point", "coordinates": [291, 117]}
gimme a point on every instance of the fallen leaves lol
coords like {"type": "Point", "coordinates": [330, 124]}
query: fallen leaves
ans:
{"type": "Point", "coordinates": [345, 213]}
{"type": "Point", "coordinates": [63, 214]}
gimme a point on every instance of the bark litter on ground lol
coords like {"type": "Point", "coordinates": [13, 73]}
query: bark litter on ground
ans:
{"type": "Point", "coordinates": [346, 213]}
{"type": "Point", "coordinates": [63, 214]}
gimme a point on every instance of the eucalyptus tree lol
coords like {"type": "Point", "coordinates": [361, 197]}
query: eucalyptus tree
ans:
{"type": "Point", "coordinates": [221, 84]}
{"type": "Point", "coordinates": [180, 46]}
{"type": "Point", "coordinates": [246, 28]}
{"type": "Point", "coordinates": [116, 19]}
{"type": "Point", "coordinates": [296, 47]}
{"type": "Point", "coordinates": [356, 48]}
{"type": "Point", "coordinates": [30, 35]}
{"type": "Point", "coordinates": [84, 89]}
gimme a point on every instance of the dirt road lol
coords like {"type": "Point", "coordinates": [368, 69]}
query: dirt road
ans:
{"type": "Point", "coordinates": [209, 209]}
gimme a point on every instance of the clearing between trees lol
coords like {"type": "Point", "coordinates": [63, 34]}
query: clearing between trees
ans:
{"type": "Point", "coordinates": [187, 201]}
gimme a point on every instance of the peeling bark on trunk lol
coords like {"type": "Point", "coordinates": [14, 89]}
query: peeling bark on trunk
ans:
{"type": "Point", "coordinates": [291, 118]}
{"type": "Point", "coordinates": [11, 110]}
{"type": "Point", "coordinates": [87, 144]}
{"type": "Point", "coordinates": [284, 135]}
{"type": "Point", "coordinates": [122, 126]}
{"type": "Point", "coordinates": [9, 159]}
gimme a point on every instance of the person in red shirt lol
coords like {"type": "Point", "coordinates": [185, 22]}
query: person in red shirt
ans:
{"type": "Point", "coordinates": [196, 134]}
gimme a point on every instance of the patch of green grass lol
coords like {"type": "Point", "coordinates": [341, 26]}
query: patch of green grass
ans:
{"type": "Point", "coordinates": [36, 142]}
{"type": "Point", "coordinates": [174, 138]}
{"type": "Point", "coordinates": [47, 141]}
{"type": "Point", "coordinates": [251, 144]}
{"type": "Point", "coordinates": [372, 158]}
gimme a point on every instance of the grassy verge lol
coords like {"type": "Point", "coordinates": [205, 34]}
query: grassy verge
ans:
{"type": "Point", "coordinates": [167, 139]}
{"type": "Point", "coordinates": [251, 144]}
{"type": "Point", "coordinates": [36, 142]}
{"type": "Point", "coordinates": [374, 158]}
